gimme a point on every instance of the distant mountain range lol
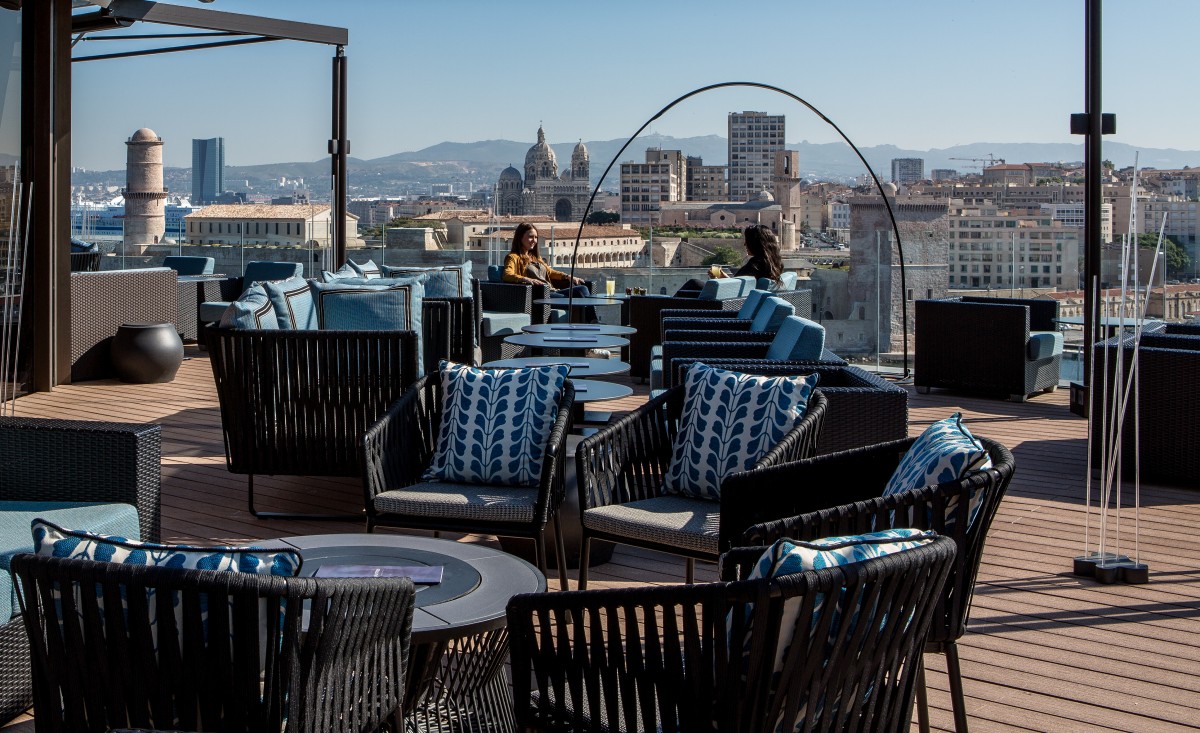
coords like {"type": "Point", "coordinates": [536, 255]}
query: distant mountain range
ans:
{"type": "Point", "coordinates": [482, 161]}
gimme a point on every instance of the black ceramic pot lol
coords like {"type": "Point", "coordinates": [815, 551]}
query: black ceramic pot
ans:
{"type": "Point", "coordinates": [147, 353]}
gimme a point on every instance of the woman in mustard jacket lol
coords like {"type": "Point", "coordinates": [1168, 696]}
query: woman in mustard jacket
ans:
{"type": "Point", "coordinates": [525, 265]}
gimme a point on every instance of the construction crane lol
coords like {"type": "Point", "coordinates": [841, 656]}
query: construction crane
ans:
{"type": "Point", "coordinates": [991, 160]}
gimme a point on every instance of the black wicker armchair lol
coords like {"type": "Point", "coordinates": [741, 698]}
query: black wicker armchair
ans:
{"type": "Point", "coordinates": [71, 461]}
{"type": "Point", "coordinates": [621, 470]}
{"type": "Point", "coordinates": [297, 403]}
{"type": "Point", "coordinates": [399, 447]}
{"type": "Point", "coordinates": [213, 650]}
{"type": "Point", "coordinates": [703, 657]}
{"type": "Point", "coordinates": [498, 299]}
{"type": "Point", "coordinates": [840, 494]}
{"type": "Point", "coordinates": [982, 345]}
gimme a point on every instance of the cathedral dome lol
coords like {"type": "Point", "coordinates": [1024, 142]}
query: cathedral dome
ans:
{"type": "Point", "coordinates": [580, 150]}
{"type": "Point", "coordinates": [540, 161]}
{"type": "Point", "coordinates": [144, 135]}
{"type": "Point", "coordinates": [890, 189]}
{"type": "Point", "coordinates": [510, 174]}
{"type": "Point", "coordinates": [764, 196]}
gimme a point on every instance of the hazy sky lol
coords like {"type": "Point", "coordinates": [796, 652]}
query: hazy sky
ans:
{"type": "Point", "coordinates": [919, 75]}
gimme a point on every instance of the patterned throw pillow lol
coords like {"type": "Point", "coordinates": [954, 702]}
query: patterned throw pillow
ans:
{"type": "Point", "coordinates": [495, 424]}
{"type": "Point", "coordinates": [946, 451]}
{"type": "Point", "coordinates": [252, 310]}
{"type": "Point", "coordinates": [786, 557]}
{"type": "Point", "coordinates": [443, 282]}
{"type": "Point", "coordinates": [368, 269]}
{"type": "Point", "coordinates": [293, 302]}
{"type": "Point", "coordinates": [729, 422]}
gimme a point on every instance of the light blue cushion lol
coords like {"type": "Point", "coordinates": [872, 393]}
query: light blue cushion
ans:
{"type": "Point", "coordinates": [342, 273]}
{"type": "Point", "coordinates": [185, 265]}
{"type": "Point", "coordinates": [253, 310]}
{"type": "Point", "coordinates": [1044, 345]}
{"type": "Point", "coordinates": [713, 439]}
{"type": "Point", "coordinates": [496, 424]}
{"type": "Point", "coordinates": [945, 451]}
{"type": "Point", "coordinates": [367, 269]}
{"type": "Point", "coordinates": [753, 302]}
{"type": "Point", "coordinates": [495, 273]}
{"type": "Point", "coordinates": [722, 288]}
{"type": "Point", "coordinates": [346, 307]}
{"type": "Point", "coordinates": [15, 537]}
{"type": "Point", "coordinates": [259, 271]}
{"type": "Point", "coordinates": [772, 315]}
{"type": "Point", "coordinates": [293, 302]}
{"type": "Point", "coordinates": [442, 282]}
{"type": "Point", "coordinates": [788, 281]}
{"type": "Point", "coordinates": [747, 283]}
{"type": "Point", "coordinates": [500, 323]}
{"type": "Point", "coordinates": [656, 351]}
{"type": "Point", "coordinates": [656, 373]}
{"type": "Point", "coordinates": [798, 339]}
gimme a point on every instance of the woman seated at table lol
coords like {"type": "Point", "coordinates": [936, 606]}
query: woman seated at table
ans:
{"type": "Point", "coordinates": [525, 265]}
{"type": "Point", "coordinates": [764, 261]}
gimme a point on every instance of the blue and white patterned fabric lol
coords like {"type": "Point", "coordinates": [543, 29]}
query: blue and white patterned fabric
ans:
{"type": "Point", "coordinates": [798, 339]}
{"type": "Point", "coordinates": [945, 451]}
{"type": "Point", "coordinates": [252, 310]}
{"type": "Point", "coordinates": [368, 269]}
{"type": "Point", "coordinates": [343, 272]}
{"type": "Point", "coordinates": [496, 424]}
{"type": "Point", "coordinates": [293, 302]}
{"type": "Point", "coordinates": [771, 315]}
{"type": "Point", "coordinates": [730, 421]}
{"type": "Point", "coordinates": [754, 301]}
{"type": "Point", "coordinates": [442, 282]}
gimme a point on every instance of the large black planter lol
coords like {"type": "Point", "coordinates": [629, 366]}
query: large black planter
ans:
{"type": "Point", "coordinates": [147, 353]}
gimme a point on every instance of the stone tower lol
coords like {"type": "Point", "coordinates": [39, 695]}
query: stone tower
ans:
{"type": "Point", "coordinates": [540, 163]}
{"type": "Point", "coordinates": [145, 195]}
{"type": "Point", "coordinates": [580, 165]}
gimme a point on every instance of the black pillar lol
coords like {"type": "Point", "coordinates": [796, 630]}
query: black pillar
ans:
{"type": "Point", "coordinates": [339, 148]}
{"type": "Point", "coordinates": [1093, 172]}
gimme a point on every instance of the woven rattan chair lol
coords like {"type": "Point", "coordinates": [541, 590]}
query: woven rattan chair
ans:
{"type": "Point", "coordinates": [505, 298]}
{"type": "Point", "coordinates": [627, 461]}
{"type": "Point", "coordinates": [235, 652]}
{"type": "Point", "coordinates": [71, 461]}
{"type": "Point", "coordinates": [682, 658]}
{"type": "Point", "coordinates": [399, 447]}
{"type": "Point", "coordinates": [296, 403]}
{"type": "Point", "coordinates": [853, 481]}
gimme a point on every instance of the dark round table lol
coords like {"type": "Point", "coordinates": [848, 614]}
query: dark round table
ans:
{"type": "Point", "coordinates": [576, 341]}
{"type": "Point", "coordinates": [579, 329]}
{"type": "Point", "coordinates": [580, 366]}
{"type": "Point", "coordinates": [591, 390]}
{"type": "Point", "coordinates": [576, 302]}
{"type": "Point", "coordinates": [459, 640]}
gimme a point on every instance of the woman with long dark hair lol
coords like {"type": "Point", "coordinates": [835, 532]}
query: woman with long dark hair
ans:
{"type": "Point", "coordinates": [524, 265]}
{"type": "Point", "coordinates": [764, 260]}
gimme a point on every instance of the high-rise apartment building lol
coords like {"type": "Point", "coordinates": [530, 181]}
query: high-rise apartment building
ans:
{"type": "Point", "coordinates": [908, 170]}
{"type": "Point", "coordinates": [991, 247]}
{"type": "Point", "coordinates": [208, 170]}
{"type": "Point", "coordinates": [706, 182]}
{"type": "Point", "coordinates": [645, 186]}
{"type": "Point", "coordinates": [754, 138]}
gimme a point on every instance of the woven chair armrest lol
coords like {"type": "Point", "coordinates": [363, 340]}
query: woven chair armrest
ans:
{"type": "Point", "coordinates": [706, 314]}
{"type": "Point", "coordinates": [397, 447]}
{"type": "Point", "coordinates": [719, 335]}
{"type": "Point", "coordinates": [672, 325]}
{"type": "Point", "coordinates": [627, 459]}
{"type": "Point", "coordinates": [700, 350]}
{"type": "Point", "coordinates": [553, 481]}
{"type": "Point", "coordinates": [506, 297]}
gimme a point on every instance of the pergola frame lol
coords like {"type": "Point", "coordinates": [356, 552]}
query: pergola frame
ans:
{"type": "Point", "coordinates": [50, 31]}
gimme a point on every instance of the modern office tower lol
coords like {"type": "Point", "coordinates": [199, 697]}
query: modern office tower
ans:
{"type": "Point", "coordinates": [145, 195]}
{"type": "Point", "coordinates": [908, 170]}
{"type": "Point", "coordinates": [208, 170]}
{"type": "Point", "coordinates": [754, 138]}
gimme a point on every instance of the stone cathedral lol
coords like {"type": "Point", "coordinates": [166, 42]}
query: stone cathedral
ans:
{"type": "Point", "coordinates": [542, 191]}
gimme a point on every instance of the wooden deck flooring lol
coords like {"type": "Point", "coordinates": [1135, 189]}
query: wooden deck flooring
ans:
{"type": "Point", "coordinates": [1046, 651]}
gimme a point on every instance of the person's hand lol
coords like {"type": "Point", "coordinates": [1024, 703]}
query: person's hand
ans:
{"type": "Point", "coordinates": [577, 281]}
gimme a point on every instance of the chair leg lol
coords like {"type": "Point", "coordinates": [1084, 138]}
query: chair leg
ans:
{"type": "Point", "coordinates": [922, 699]}
{"type": "Point", "coordinates": [690, 573]}
{"type": "Point", "coordinates": [539, 545]}
{"type": "Point", "coordinates": [954, 671]}
{"type": "Point", "coordinates": [585, 558]}
{"type": "Point", "coordinates": [560, 551]}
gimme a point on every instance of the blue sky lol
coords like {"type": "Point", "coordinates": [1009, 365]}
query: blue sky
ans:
{"type": "Point", "coordinates": [919, 75]}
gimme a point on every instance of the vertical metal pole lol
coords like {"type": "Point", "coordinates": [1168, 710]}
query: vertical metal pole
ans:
{"type": "Point", "coordinates": [1092, 171]}
{"type": "Point", "coordinates": [339, 150]}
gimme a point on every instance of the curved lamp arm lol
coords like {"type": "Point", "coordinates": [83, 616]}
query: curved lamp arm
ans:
{"type": "Point", "coordinates": [818, 113]}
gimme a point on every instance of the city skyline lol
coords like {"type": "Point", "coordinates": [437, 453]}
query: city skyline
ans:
{"type": "Point", "coordinates": [915, 77]}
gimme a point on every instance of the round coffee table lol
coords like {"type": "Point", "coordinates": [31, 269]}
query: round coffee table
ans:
{"type": "Point", "coordinates": [565, 342]}
{"type": "Point", "coordinates": [592, 390]}
{"type": "Point", "coordinates": [580, 366]}
{"type": "Point", "coordinates": [459, 640]}
{"type": "Point", "coordinates": [579, 329]}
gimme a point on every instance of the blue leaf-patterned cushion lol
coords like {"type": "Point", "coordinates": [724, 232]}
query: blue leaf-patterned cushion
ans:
{"type": "Point", "coordinates": [946, 451]}
{"type": "Point", "coordinates": [729, 422]}
{"type": "Point", "coordinates": [252, 310]}
{"type": "Point", "coordinates": [367, 269]}
{"type": "Point", "coordinates": [293, 302]}
{"type": "Point", "coordinates": [496, 424]}
{"type": "Point", "coordinates": [442, 282]}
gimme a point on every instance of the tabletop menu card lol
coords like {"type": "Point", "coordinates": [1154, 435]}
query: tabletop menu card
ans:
{"type": "Point", "coordinates": [420, 574]}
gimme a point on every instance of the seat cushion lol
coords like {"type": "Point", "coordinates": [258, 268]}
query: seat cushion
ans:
{"type": "Point", "coordinates": [442, 282]}
{"type": "Point", "coordinates": [293, 302]}
{"type": "Point", "coordinates": [746, 283]}
{"type": "Point", "coordinates": [253, 310]}
{"type": "Point", "coordinates": [496, 424]}
{"type": "Point", "coordinates": [946, 451]}
{"type": "Point", "coordinates": [771, 315]}
{"type": "Point", "coordinates": [16, 538]}
{"type": "Point", "coordinates": [677, 521]}
{"type": "Point", "coordinates": [787, 281]}
{"type": "Point", "coordinates": [656, 351]}
{"type": "Point", "coordinates": [497, 323]}
{"type": "Point", "coordinates": [713, 439]}
{"type": "Point", "coordinates": [259, 271]}
{"type": "Point", "coordinates": [468, 502]}
{"type": "Point", "coordinates": [656, 373]}
{"type": "Point", "coordinates": [367, 269]}
{"type": "Point", "coordinates": [754, 301]}
{"type": "Point", "coordinates": [495, 273]}
{"type": "Point", "coordinates": [342, 273]}
{"type": "Point", "coordinates": [722, 288]}
{"type": "Point", "coordinates": [1044, 345]}
{"type": "Point", "coordinates": [798, 339]}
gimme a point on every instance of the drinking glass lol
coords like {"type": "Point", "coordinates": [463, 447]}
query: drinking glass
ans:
{"type": "Point", "coordinates": [610, 286]}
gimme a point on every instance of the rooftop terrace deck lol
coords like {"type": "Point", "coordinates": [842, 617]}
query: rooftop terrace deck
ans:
{"type": "Point", "coordinates": [1046, 651]}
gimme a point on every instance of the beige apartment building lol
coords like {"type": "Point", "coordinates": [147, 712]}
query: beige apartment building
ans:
{"type": "Point", "coordinates": [994, 248]}
{"type": "Point", "coordinates": [706, 182]}
{"type": "Point", "coordinates": [282, 225]}
{"type": "Point", "coordinates": [645, 187]}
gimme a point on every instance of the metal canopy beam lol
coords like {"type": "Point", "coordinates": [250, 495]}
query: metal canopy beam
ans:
{"type": "Point", "coordinates": [147, 11]}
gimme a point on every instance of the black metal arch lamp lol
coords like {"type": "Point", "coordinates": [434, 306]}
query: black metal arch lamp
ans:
{"type": "Point", "coordinates": [818, 113]}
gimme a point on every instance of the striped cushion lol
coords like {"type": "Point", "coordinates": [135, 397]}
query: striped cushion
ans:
{"type": "Point", "coordinates": [449, 500]}
{"type": "Point", "coordinates": [443, 282]}
{"type": "Point", "coordinates": [368, 269]}
{"type": "Point", "coordinates": [293, 302]}
{"type": "Point", "coordinates": [677, 521]}
{"type": "Point", "coordinates": [252, 310]}
{"type": "Point", "coordinates": [945, 452]}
